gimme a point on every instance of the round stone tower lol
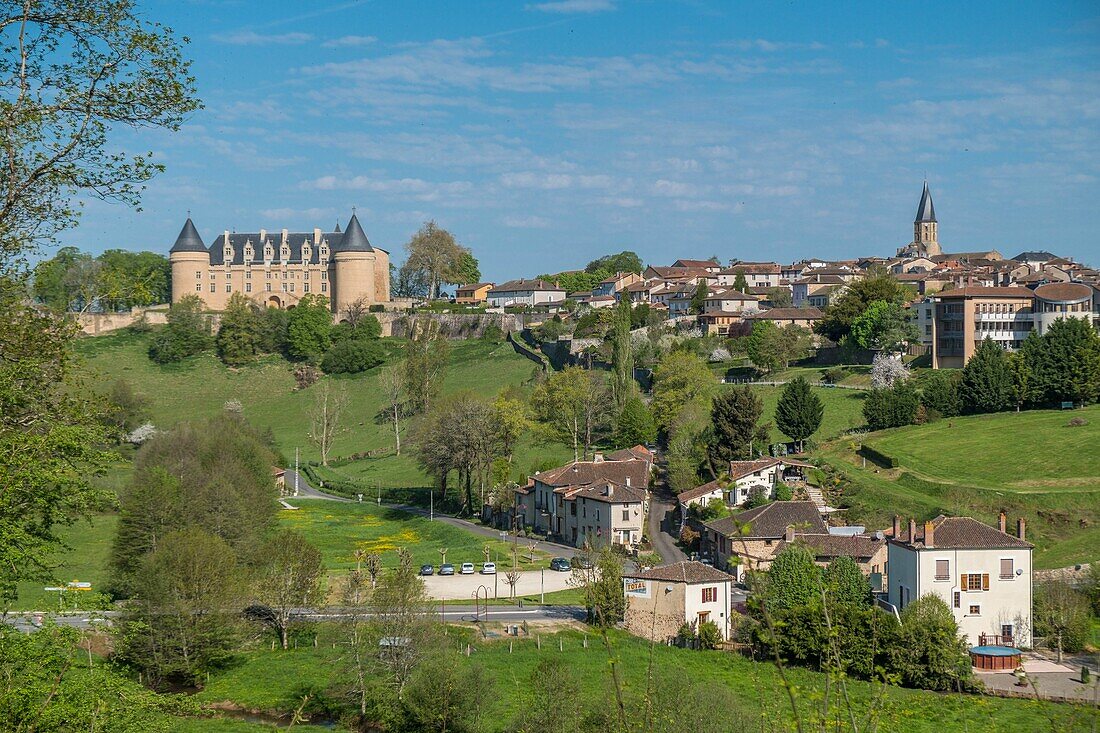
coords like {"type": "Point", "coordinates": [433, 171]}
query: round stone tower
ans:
{"type": "Point", "coordinates": [190, 260]}
{"type": "Point", "coordinates": [359, 270]}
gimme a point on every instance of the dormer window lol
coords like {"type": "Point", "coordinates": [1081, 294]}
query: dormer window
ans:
{"type": "Point", "coordinates": [227, 253]}
{"type": "Point", "coordinates": [284, 252]}
{"type": "Point", "coordinates": [307, 252]}
{"type": "Point", "coordinates": [269, 252]}
{"type": "Point", "coordinates": [249, 253]}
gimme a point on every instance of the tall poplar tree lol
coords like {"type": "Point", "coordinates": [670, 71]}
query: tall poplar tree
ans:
{"type": "Point", "coordinates": [622, 356]}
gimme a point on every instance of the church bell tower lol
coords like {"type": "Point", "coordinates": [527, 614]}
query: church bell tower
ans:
{"type": "Point", "coordinates": [925, 236]}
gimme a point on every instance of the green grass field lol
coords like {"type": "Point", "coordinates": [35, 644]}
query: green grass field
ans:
{"type": "Point", "coordinates": [85, 560]}
{"type": "Point", "coordinates": [271, 680]}
{"type": "Point", "coordinates": [843, 410]}
{"type": "Point", "coordinates": [1029, 464]}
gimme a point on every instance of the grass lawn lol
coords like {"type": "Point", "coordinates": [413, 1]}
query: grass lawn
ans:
{"type": "Point", "coordinates": [86, 561]}
{"type": "Point", "coordinates": [1028, 464]}
{"type": "Point", "coordinates": [270, 680]}
{"type": "Point", "coordinates": [843, 410]}
{"type": "Point", "coordinates": [230, 725]}
{"type": "Point", "coordinates": [337, 529]}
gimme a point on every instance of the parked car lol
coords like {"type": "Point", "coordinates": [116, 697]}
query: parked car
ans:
{"type": "Point", "coordinates": [582, 561]}
{"type": "Point", "coordinates": [561, 564]}
{"type": "Point", "coordinates": [446, 569]}
{"type": "Point", "coordinates": [426, 570]}
{"type": "Point", "coordinates": [489, 568]}
{"type": "Point", "coordinates": [467, 568]}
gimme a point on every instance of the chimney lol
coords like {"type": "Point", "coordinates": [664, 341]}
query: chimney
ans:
{"type": "Point", "coordinates": [1002, 521]}
{"type": "Point", "coordinates": [929, 534]}
{"type": "Point", "coordinates": [316, 235]}
{"type": "Point", "coordinates": [1021, 528]}
{"type": "Point", "coordinates": [285, 238]}
{"type": "Point", "coordinates": [610, 490]}
{"type": "Point", "coordinates": [263, 236]}
{"type": "Point", "coordinates": [912, 530]}
{"type": "Point", "coordinates": [597, 457]}
{"type": "Point", "coordinates": [628, 481]}
{"type": "Point", "coordinates": [897, 527]}
{"type": "Point", "coordinates": [789, 534]}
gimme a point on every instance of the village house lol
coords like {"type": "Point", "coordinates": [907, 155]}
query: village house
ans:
{"type": "Point", "coordinates": [802, 289]}
{"type": "Point", "coordinates": [869, 551]}
{"type": "Point", "coordinates": [731, 301]}
{"type": "Point", "coordinates": [757, 274]}
{"type": "Point", "coordinates": [982, 573]}
{"type": "Point", "coordinates": [749, 540]}
{"type": "Point", "coordinates": [661, 600]}
{"type": "Point", "coordinates": [615, 283]}
{"type": "Point", "coordinates": [602, 501]}
{"type": "Point", "coordinates": [709, 265]}
{"type": "Point", "coordinates": [735, 486]}
{"type": "Point", "coordinates": [472, 293]}
{"type": "Point", "coordinates": [524, 293]}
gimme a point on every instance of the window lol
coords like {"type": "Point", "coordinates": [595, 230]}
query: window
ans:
{"type": "Point", "coordinates": [268, 288]}
{"type": "Point", "coordinates": [324, 275]}
{"type": "Point", "coordinates": [212, 275]}
{"type": "Point", "coordinates": [292, 287]}
{"type": "Point", "coordinates": [198, 287]}
{"type": "Point", "coordinates": [248, 287]}
{"type": "Point", "coordinates": [943, 570]}
{"type": "Point", "coordinates": [305, 287]}
{"type": "Point", "coordinates": [212, 287]}
{"type": "Point", "coordinates": [324, 287]}
{"type": "Point", "coordinates": [974, 610]}
{"type": "Point", "coordinates": [956, 599]}
{"type": "Point", "coordinates": [284, 287]}
{"type": "Point", "coordinates": [626, 515]}
{"type": "Point", "coordinates": [1008, 571]}
{"type": "Point", "coordinates": [229, 287]}
{"type": "Point", "coordinates": [198, 276]}
{"type": "Point", "coordinates": [248, 275]}
{"type": "Point", "coordinates": [710, 595]}
{"type": "Point", "coordinates": [974, 581]}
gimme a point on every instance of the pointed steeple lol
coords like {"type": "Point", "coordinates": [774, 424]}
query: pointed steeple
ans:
{"type": "Point", "coordinates": [337, 229]}
{"type": "Point", "coordinates": [354, 239]}
{"type": "Point", "coordinates": [189, 239]}
{"type": "Point", "coordinates": [925, 211]}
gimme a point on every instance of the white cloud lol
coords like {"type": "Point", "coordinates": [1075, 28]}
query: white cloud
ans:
{"type": "Point", "coordinates": [525, 222]}
{"type": "Point", "coordinates": [349, 42]}
{"type": "Point", "coordinates": [664, 187]}
{"type": "Point", "coordinates": [553, 181]}
{"type": "Point", "coordinates": [252, 38]}
{"type": "Point", "coordinates": [416, 188]}
{"type": "Point", "coordinates": [573, 6]}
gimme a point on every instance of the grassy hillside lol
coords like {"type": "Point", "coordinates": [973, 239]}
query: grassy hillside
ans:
{"type": "Point", "coordinates": [269, 680]}
{"type": "Point", "coordinates": [86, 561]}
{"type": "Point", "coordinates": [843, 410]}
{"type": "Point", "coordinates": [200, 386]}
{"type": "Point", "coordinates": [1030, 464]}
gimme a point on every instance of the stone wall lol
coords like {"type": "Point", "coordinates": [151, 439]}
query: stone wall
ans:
{"type": "Point", "coordinates": [451, 325]}
{"type": "Point", "coordinates": [93, 324]}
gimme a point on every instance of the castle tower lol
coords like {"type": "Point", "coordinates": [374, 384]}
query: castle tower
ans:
{"type": "Point", "coordinates": [359, 270]}
{"type": "Point", "coordinates": [187, 257]}
{"type": "Point", "coordinates": [925, 236]}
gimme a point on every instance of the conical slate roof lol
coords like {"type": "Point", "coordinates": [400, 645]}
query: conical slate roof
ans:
{"type": "Point", "coordinates": [925, 211]}
{"type": "Point", "coordinates": [354, 239]}
{"type": "Point", "coordinates": [337, 229]}
{"type": "Point", "coordinates": [189, 239]}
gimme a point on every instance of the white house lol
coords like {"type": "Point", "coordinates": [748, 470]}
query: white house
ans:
{"type": "Point", "coordinates": [525, 292]}
{"type": "Point", "coordinates": [661, 600]}
{"type": "Point", "coordinates": [741, 478]}
{"type": "Point", "coordinates": [981, 572]}
{"type": "Point", "coordinates": [757, 274]}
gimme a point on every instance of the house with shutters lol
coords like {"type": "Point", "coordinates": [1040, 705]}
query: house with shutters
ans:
{"type": "Point", "coordinates": [741, 478]}
{"type": "Point", "coordinates": [661, 600]}
{"type": "Point", "coordinates": [983, 573]}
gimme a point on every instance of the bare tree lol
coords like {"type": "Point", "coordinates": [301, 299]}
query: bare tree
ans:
{"type": "Point", "coordinates": [356, 310]}
{"type": "Point", "coordinates": [374, 566]}
{"type": "Point", "coordinates": [325, 418]}
{"type": "Point", "coordinates": [442, 555]}
{"type": "Point", "coordinates": [512, 579]}
{"type": "Point", "coordinates": [288, 575]}
{"type": "Point", "coordinates": [1060, 611]}
{"type": "Point", "coordinates": [392, 383]}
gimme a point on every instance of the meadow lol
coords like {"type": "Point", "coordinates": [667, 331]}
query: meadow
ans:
{"type": "Point", "coordinates": [1030, 464]}
{"type": "Point", "coordinates": [274, 680]}
{"type": "Point", "coordinates": [843, 410]}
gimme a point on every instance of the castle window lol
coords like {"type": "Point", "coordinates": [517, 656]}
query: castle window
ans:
{"type": "Point", "coordinates": [198, 275]}
{"type": "Point", "coordinates": [248, 287]}
{"type": "Point", "coordinates": [248, 275]}
{"type": "Point", "coordinates": [284, 287]}
{"type": "Point", "coordinates": [229, 287]}
{"type": "Point", "coordinates": [212, 287]}
{"type": "Point", "coordinates": [268, 288]}
{"type": "Point", "coordinates": [212, 275]}
{"type": "Point", "coordinates": [324, 275]}
{"type": "Point", "coordinates": [292, 287]}
{"type": "Point", "coordinates": [324, 287]}
{"type": "Point", "coordinates": [305, 288]}
{"type": "Point", "coordinates": [198, 287]}
{"type": "Point", "coordinates": [227, 253]}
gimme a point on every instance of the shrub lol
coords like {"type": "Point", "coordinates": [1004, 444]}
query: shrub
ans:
{"type": "Point", "coordinates": [1077, 422]}
{"type": "Point", "coordinates": [306, 375]}
{"type": "Point", "coordinates": [783, 492]}
{"type": "Point", "coordinates": [709, 636]}
{"type": "Point", "coordinates": [877, 456]}
{"type": "Point", "coordinates": [351, 357]}
{"type": "Point", "coordinates": [492, 333]}
{"type": "Point", "coordinates": [834, 375]}
{"type": "Point", "coordinates": [891, 408]}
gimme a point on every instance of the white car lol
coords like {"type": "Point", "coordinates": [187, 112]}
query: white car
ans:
{"type": "Point", "coordinates": [466, 569]}
{"type": "Point", "coordinates": [489, 568]}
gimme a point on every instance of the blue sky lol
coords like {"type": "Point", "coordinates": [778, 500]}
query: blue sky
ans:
{"type": "Point", "coordinates": [548, 133]}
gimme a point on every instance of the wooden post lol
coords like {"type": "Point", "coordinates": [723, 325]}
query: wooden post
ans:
{"type": "Point", "coordinates": [538, 641]}
{"type": "Point", "coordinates": [509, 646]}
{"type": "Point", "coordinates": [561, 648]}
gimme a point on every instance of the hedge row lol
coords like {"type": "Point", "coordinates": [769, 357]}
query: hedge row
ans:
{"type": "Point", "coordinates": [878, 457]}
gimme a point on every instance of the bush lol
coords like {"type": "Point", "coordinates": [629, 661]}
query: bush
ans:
{"type": "Point", "coordinates": [783, 492]}
{"type": "Point", "coordinates": [351, 357]}
{"type": "Point", "coordinates": [834, 375]}
{"type": "Point", "coordinates": [940, 392]}
{"type": "Point", "coordinates": [376, 308]}
{"type": "Point", "coordinates": [306, 375]}
{"type": "Point", "coordinates": [492, 333]}
{"type": "Point", "coordinates": [878, 457]}
{"type": "Point", "coordinates": [709, 636]}
{"type": "Point", "coordinates": [1077, 422]}
{"type": "Point", "coordinates": [891, 408]}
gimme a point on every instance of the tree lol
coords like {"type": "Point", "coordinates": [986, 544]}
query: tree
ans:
{"type": "Point", "coordinates": [459, 434]}
{"type": "Point", "coordinates": [770, 346]}
{"type": "Point", "coordinates": [837, 320]}
{"type": "Point", "coordinates": [80, 75]}
{"type": "Point", "coordinates": [987, 382]}
{"type": "Point", "coordinates": [635, 425]}
{"type": "Point", "coordinates": [468, 270]}
{"type": "Point", "coordinates": [888, 371]}
{"type": "Point", "coordinates": [929, 653]}
{"type": "Point", "coordinates": [181, 622]}
{"type": "Point", "coordinates": [1023, 379]}
{"type": "Point", "coordinates": [352, 357]}
{"type": "Point", "coordinates": [1067, 367]}
{"type": "Point", "coordinates": [426, 357]}
{"type": "Point", "coordinates": [126, 409]}
{"type": "Point", "coordinates": [49, 686]}
{"type": "Point", "coordinates": [510, 420]}
{"type": "Point", "coordinates": [238, 338]}
{"type": "Point", "coordinates": [1062, 617]}
{"type": "Point", "coordinates": [572, 404]}
{"type": "Point", "coordinates": [186, 334]}
{"type": "Point", "coordinates": [444, 695]}
{"type": "Point", "coordinates": [50, 284]}
{"type": "Point", "coordinates": [845, 583]}
{"type": "Point", "coordinates": [709, 635]}
{"type": "Point", "coordinates": [274, 323]}
{"type": "Point", "coordinates": [799, 411]}
{"type": "Point", "coordinates": [551, 700]}
{"type": "Point", "coordinates": [392, 383]}
{"type": "Point", "coordinates": [51, 440]}
{"type": "Point", "coordinates": [602, 586]}
{"type": "Point", "coordinates": [287, 573]}
{"type": "Point", "coordinates": [625, 261]}
{"type": "Point", "coordinates": [408, 282]}
{"type": "Point", "coordinates": [622, 355]}
{"type": "Point", "coordinates": [883, 326]}
{"type": "Point", "coordinates": [679, 379]}
{"type": "Point", "coordinates": [740, 284]}
{"type": "Point", "coordinates": [780, 297]}
{"type": "Point", "coordinates": [891, 408]}
{"type": "Point", "coordinates": [404, 618]}
{"type": "Point", "coordinates": [940, 392]}
{"type": "Point", "coordinates": [699, 297]}
{"type": "Point", "coordinates": [733, 427]}
{"type": "Point", "coordinates": [325, 418]}
{"type": "Point", "coordinates": [434, 252]}
{"type": "Point", "coordinates": [793, 581]}
{"type": "Point", "coordinates": [309, 328]}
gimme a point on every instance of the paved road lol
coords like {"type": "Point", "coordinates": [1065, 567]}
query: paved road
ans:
{"type": "Point", "coordinates": [662, 522]}
{"type": "Point", "coordinates": [463, 587]}
{"type": "Point", "coordinates": [29, 621]}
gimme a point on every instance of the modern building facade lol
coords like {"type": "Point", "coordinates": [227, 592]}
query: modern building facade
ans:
{"type": "Point", "coordinates": [277, 269]}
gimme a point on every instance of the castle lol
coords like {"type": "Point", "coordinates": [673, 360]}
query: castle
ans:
{"type": "Point", "coordinates": [276, 269]}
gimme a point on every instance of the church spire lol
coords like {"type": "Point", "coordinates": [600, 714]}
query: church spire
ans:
{"type": "Point", "coordinates": [925, 210]}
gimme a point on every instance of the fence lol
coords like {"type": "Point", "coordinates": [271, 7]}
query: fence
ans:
{"type": "Point", "coordinates": [780, 383]}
